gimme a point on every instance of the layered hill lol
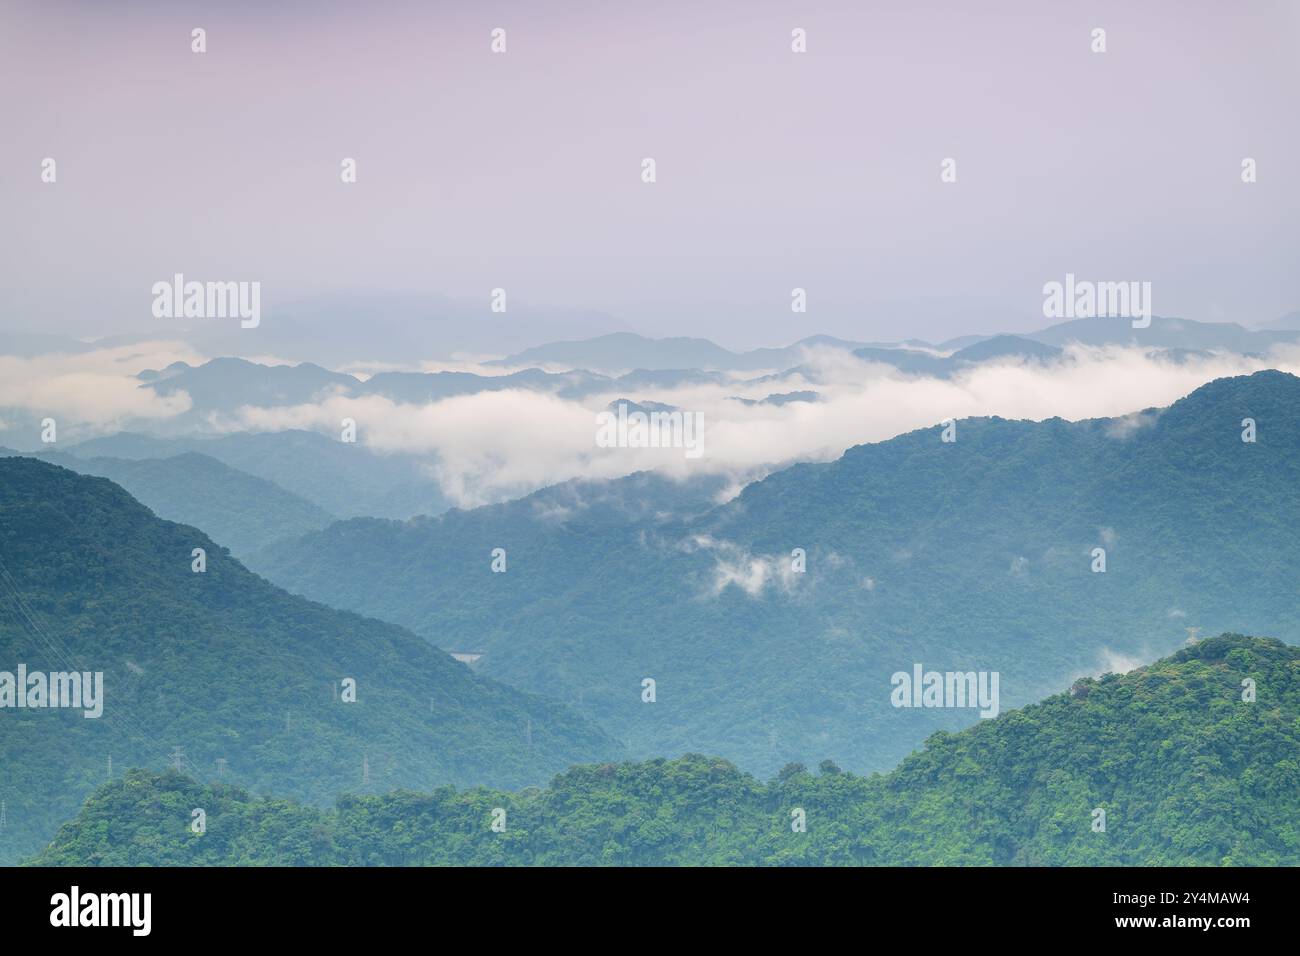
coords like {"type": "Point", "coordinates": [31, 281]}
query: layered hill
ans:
{"type": "Point", "coordinates": [1041, 550]}
{"type": "Point", "coordinates": [627, 351]}
{"type": "Point", "coordinates": [343, 479]}
{"type": "Point", "coordinates": [1165, 766]}
{"type": "Point", "coordinates": [220, 669]}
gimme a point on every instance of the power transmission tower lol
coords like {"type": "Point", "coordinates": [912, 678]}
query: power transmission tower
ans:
{"type": "Point", "coordinates": [178, 759]}
{"type": "Point", "coordinates": [365, 771]}
{"type": "Point", "coordinates": [221, 767]}
{"type": "Point", "coordinates": [3, 815]}
{"type": "Point", "coordinates": [110, 766]}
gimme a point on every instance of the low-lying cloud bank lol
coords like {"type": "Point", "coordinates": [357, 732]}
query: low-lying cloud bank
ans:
{"type": "Point", "coordinates": [493, 445]}
{"type": "Point", "coordinates": [497, 443]}
{"type": "Point", "coordinates": [87, 393]}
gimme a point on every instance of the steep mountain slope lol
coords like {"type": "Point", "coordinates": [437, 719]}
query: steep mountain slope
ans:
{"type": "Point", "coordinates": [245, 512]}
{"type": "Point", "coordinates": [227, 667]}
{"type": "Point", "coordinates": [977, 554]}
{"type": "Point", "coordinates": [1185, 771]}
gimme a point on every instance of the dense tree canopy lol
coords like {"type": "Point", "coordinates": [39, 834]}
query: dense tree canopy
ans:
{"type": "Point", "coordinates": [226, 667]}
{"type": "Point", "coordinates": [1186, 771]}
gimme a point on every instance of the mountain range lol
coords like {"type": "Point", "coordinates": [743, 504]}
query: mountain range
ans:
{"type": "Point", "coordinates": [625, 350]}
{"type": "Point", "coordinates": [975, 554]}
{"type": "Point", "coordinates": [228, 395]}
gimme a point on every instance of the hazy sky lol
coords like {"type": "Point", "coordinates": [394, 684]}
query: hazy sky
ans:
{"type": "Point", "coordinates": [523, 170]}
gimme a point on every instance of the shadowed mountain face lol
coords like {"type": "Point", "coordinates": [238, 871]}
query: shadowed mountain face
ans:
{"type": "Point", "coordinates": [342, 479]}
{"type": "Point", "coordinates": [228, 668]}
{"type": "Point", "coordinates": [1184, 770]}
{"type": "Point", "coordinates": [979, 554]}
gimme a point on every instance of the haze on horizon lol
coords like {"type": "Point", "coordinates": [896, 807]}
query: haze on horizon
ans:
{"type": "Point", "coordinates": [775, 170]}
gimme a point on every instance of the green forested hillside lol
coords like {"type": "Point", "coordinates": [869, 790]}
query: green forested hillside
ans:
{"type": "Point", "coordinates": [972, 555]}
{"type": "Point", "coordinates": [228, 668]}
{"type": "Point", "coordinates": [245, 513]}
{"type": "Point", "coordinates": [1185, 770]}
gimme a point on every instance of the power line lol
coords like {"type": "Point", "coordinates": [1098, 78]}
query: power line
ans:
{"type": "Point", "coordinates": [52, 645]}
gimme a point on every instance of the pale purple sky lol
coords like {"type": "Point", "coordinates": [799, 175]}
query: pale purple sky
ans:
{"type": "Point", "coordinates": [775, 170]}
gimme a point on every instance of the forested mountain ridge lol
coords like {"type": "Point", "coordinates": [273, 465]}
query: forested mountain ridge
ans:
{"type": "Point", "coordinates": [1040, 550]}
{"type": "Point", "coordinates": [1166, 765]}
{"type": "Point", "coordinates": [226, 667]}
{"type": "Point", "coordinates": [244, 512]}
